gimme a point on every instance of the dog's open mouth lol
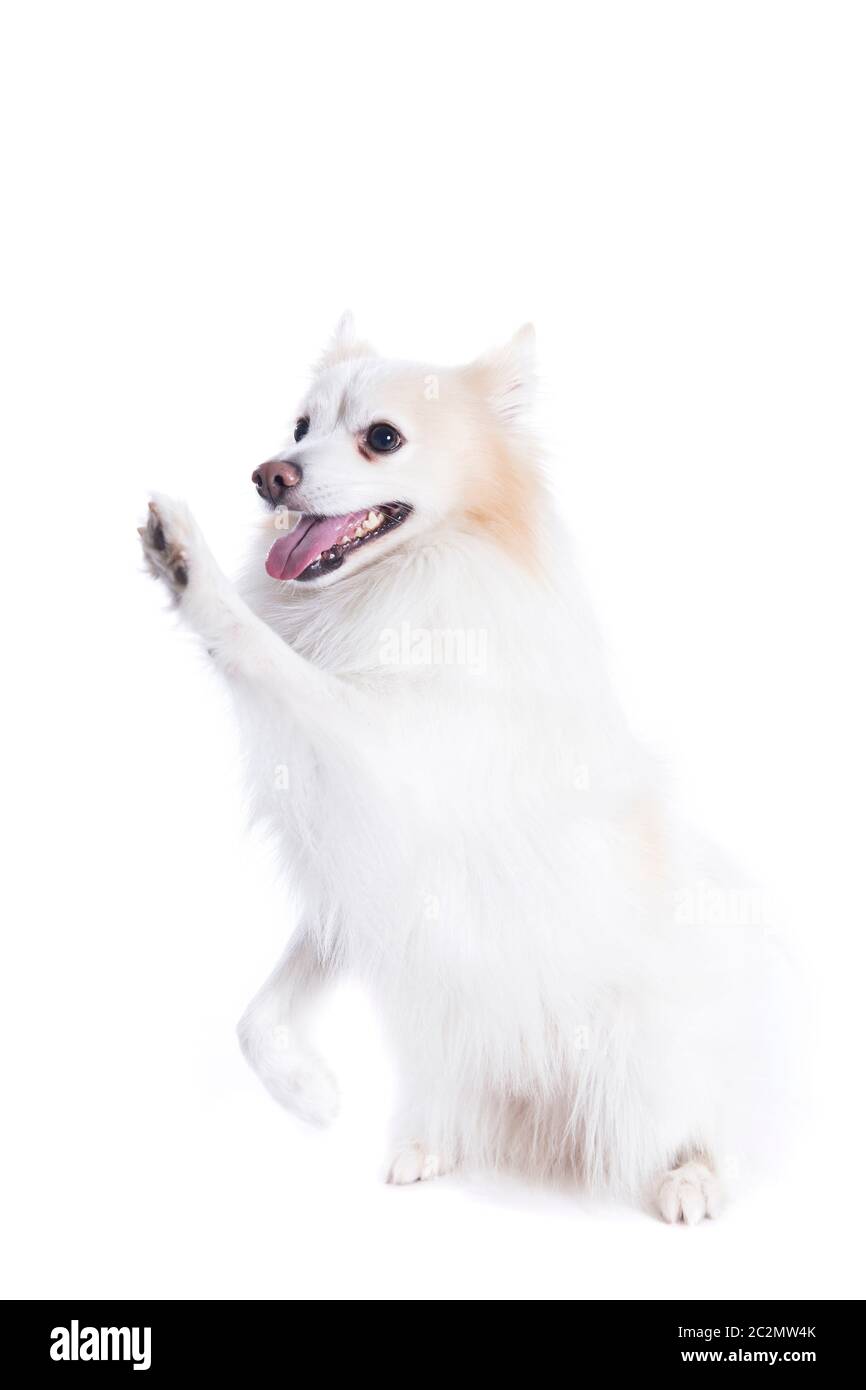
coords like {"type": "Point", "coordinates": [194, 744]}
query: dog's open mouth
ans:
{"type": "Point", "coordinates": [319, 544]}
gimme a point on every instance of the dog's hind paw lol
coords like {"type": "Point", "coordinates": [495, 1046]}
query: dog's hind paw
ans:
{"type": "Point", "coordinates": [412, 1163]}
{"type": "Point", "coordinates": [688, 1194]}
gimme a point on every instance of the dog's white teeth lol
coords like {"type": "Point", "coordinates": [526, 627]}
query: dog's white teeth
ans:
{"type": "Point", "coordinates": [359, 532]}
{"type": "Point", "coordinates": [344, 540]}
{"type": "Point", "coordinates": [373, 520]}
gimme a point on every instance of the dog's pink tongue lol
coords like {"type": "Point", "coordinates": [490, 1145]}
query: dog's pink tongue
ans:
{"type": "Point", "coordinates": [290, 555]}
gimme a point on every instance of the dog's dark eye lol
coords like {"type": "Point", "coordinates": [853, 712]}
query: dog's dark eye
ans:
{"type": "Point", "coordinates": [301, 428]}
{"type": "Point", "coordinates": [383, 439]}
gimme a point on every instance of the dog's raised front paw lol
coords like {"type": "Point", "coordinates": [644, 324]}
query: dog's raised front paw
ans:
{"type": "Point", "coordinates": [308, 1089]}
{"type": "Point", "coordinates": [689, 1193]}
{"type": "Point", "coordinates": [292, 1073]}
{"type": "Point", "coordinates": [166, 540]}
{"type": "Point", "coordinates": [412, 1163]}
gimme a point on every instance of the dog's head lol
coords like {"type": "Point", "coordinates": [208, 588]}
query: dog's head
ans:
{"type": "Point", "coordinates": [384, 451]}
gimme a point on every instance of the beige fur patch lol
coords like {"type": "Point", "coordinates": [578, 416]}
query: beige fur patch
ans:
{"type": "Point", "coordinates": [504, 502]}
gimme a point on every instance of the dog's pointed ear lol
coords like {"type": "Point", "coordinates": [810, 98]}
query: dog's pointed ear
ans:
{"type": "Point", "coordinates": [345, 343]}
{"type": "Point", "coordinates": [507, 376]}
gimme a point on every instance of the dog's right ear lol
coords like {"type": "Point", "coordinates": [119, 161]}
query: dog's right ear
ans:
{"type": "Point", "coordinates": [345, 344]}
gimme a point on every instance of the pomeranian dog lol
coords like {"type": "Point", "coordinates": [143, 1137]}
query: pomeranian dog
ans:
{"type": "Point", "coordinates": [471, 826]}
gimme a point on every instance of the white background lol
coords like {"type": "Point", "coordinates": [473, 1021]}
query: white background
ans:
{"type": "Point", "coordinates": [674, 193]}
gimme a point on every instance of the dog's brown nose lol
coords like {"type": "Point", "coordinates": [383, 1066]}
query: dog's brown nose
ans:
{"type": "Point", "coordinates": [275, 478]}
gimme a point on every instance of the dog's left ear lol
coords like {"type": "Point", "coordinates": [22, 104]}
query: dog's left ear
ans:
{"type": "Point", "coordinates": [345, 344]}
{"type": "Point", "coordinates": [507, 376]}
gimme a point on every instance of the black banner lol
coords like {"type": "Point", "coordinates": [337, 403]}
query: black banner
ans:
{"type": "Point", "coordinates": [156, 1339]}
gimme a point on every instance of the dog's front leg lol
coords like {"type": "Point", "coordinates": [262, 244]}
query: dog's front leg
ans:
{"type": "Point", "coordinates": [245, 648]}
{"type": "Point", "coordinates": [254, 658]}
{"type": "Point", "coordinates": [272, 1033]}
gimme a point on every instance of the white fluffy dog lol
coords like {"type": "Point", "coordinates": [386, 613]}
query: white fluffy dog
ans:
{"type": "Point", "coordinates": [474, 832]}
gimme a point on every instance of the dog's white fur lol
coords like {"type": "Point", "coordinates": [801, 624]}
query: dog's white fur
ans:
{"type": "Point", "coordinates": [482, 842]}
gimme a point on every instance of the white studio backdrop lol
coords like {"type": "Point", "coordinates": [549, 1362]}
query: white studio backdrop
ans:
{"type": "Point", "coordinates": [674, 194]}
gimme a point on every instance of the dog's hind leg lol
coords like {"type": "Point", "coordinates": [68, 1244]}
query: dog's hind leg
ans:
{"type": "Point", "coordinates": [689, 1192]}
{"type": "Point", "coordinates": [272, 1034]}
{"type": "Point", "coordinates": [413, 1162]}
{"type": "Point", "coordinates": [426, 1130]}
